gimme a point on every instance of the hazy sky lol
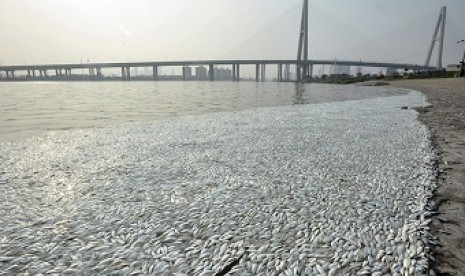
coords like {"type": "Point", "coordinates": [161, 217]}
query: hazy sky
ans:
{"type": "Point", "coordinates": [56, 31]}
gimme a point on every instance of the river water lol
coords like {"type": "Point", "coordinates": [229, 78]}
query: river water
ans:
{"type": "Point", "coordinates": [30, 109]}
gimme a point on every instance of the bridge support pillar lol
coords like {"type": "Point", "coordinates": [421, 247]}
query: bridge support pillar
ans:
{"type": "Point", "coordinates": [125, 73]}
{"type": "Point", "coordinates": [34, 73]}
{"type": "Point", "coordinates": [304, 71]}
{"type": "Point", "coordinates": [302, 52]}
{"type": "Point", "coordinates": [438, 36]}
{"type": "Point", "coordinates": [99, 73]}
{"type": "Point", "coordinates": [287, 73]}
{"type": "Point", "coordinates": [184, 72]}
{"type": "Point", "coordinates": [211, 72]}
{"type": "Point", "coordinates": [280, 73]}
{"type": "Point", "coordinates": [257, 72]}
{"type": "Point", "coordinates": [155, 73]}
{"type": "Point", "coordinates": [234, 72]}
{"type": "Point", "coordinates": [263, 72]}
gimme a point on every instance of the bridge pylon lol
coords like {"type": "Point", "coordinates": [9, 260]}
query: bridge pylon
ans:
{"type": "Point", "coordinates": [438, 36]}
{"type": "Point", "coordinates": [302, 52]}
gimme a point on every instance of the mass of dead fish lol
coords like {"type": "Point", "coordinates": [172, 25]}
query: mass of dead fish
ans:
{"type": "Point", "coordinates": [327, 189]}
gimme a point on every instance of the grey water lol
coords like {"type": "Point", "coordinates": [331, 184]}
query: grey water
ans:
{"type": "Point", "coordinates": [30, 109]}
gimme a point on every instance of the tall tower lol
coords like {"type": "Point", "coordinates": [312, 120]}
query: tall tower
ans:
{"type": "Point", "coordinates": [438, 35]}
{"type": "Point", "coordinates": [302, 53]}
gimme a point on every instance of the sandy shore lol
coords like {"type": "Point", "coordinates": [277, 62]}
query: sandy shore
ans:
{"type": "Point", "coordinates": [446, 119]}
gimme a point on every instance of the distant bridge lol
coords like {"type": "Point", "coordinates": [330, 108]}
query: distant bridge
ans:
{"type": "Point", "coordinates": [303, 65]}
{"type": "Point", "coordinates": [65, 71]}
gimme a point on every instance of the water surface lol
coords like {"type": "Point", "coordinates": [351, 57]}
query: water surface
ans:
{"type": "Point", "coordinates": [28, 109]}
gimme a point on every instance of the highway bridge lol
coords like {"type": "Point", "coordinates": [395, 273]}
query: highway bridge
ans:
{"type": "Point", "coordinates": [94, 70]}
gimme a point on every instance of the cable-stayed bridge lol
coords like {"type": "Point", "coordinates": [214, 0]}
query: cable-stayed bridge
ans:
{"type": "Point", "coordinates": [302, 66]}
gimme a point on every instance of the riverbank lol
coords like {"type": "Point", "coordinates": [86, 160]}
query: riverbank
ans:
{"type": "Point", "coordinates": [446, 119]}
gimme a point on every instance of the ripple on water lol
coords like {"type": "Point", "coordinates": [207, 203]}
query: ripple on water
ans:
{"type": "Point", "coordinates": [80, 104]}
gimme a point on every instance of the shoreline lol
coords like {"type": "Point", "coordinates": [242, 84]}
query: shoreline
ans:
{"type": "Point", "coordinates": [50, 109]}
{"type": "Point", "coordinates": [445, 117]}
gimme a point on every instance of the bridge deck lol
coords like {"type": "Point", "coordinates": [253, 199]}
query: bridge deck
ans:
{"type": "Point", "coordinates": [214, 62]}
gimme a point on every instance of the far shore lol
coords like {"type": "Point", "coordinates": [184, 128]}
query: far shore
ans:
{"type": "Point", "coordinates": [446, 120]}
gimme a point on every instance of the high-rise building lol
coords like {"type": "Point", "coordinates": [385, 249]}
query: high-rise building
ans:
{"type": "Point", "coordinates": [223, 74]}
{"type": "Point", "coordinates": [341, 70]}
{"type": "Point", "coordinates": [201, 73]}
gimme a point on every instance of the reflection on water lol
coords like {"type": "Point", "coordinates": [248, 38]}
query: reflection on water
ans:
{"type": "Point", "coordinates": [299, 93]}
{"type": "Point", "coordinates": [28, 109]}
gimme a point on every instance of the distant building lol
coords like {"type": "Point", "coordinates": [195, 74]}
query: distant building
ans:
{"type": "Point", "coordinates": [147, 71]}
{"type": "Point", "coordinates": [341, 70]}
{"type": "Point", "coordinates": [454, 67]}
{"type": "Point", "coordinates": [223, 74]}
{"type": "Point", "coordinates": [187, 71]}
{"type": "Point", "coordinates": [201, 73]}
{"type": "Point", "coordinates": [389, 72]}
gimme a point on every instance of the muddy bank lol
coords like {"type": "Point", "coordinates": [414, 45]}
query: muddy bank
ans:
{"type": "Point", "coordinates": [446, 119]}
